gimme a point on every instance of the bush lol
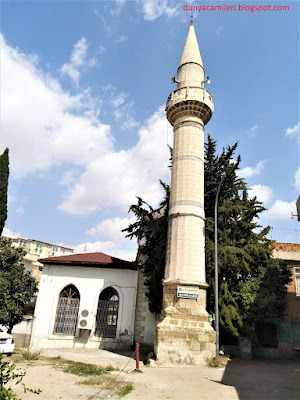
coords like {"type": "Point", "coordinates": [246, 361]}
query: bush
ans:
{"type": "Point", "coordinates": [213, 362]}
{"type": "Point", "coordinates": [31, 355]}
{"type": "Point", "coordinates": [8, 373]}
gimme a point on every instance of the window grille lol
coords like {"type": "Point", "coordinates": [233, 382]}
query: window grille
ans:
{"type": "Point", "coordinates": [107, 313]}
{"type": "Point", "coordinates": [67, 311]}
{"type": "Point", "coordinates": [297, 281]}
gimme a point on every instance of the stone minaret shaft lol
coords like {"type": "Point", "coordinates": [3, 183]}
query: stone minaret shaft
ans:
{"type": "Point", "coordinates": [188, 109]}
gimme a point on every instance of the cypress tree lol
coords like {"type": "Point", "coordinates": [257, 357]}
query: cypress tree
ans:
{"type": "Point", "coordinates": [243, 247]}
{"type": "Point", "coordinates": [4, 173]}
{"type": "Point", "coordinates": [244, 252]}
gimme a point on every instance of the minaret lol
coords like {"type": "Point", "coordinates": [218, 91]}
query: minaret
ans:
{"type": "Point", "coordinates": [183, 334]}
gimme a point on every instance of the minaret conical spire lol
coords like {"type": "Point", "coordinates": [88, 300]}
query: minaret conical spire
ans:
{"type": "Point", "coordinates": [191, 53]}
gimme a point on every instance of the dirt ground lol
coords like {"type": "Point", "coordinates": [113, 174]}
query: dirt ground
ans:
{"type": "Point", "coordinates": [238, 380]}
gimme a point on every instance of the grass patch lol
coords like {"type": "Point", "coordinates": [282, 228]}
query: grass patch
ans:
{"type": "Point", "coordinates": [78, 368]}
{"type": "Point", "coordinates": [82, 369]}
{"type": "Point", "coordinates": [27, 355]}
{"type": "Point", "coordinates": [110, 368]}
{"type": "Point", "coordinates": [93, 381]}
{"type": "Point", "coordinates": [31, 355]}
{"type": "Point", "coordinates": [125, 390]}
{"type": "Point", "coordinates": [214, 362]}
{"type": "Point", "coordinates": [54, 359]}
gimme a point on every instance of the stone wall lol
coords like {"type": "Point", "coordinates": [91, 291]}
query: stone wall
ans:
{"type": "Point", "coordinates": [144, 319]}
{"type": "Point", "coordinates": [184, 335]}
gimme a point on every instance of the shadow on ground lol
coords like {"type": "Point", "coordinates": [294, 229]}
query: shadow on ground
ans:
{"type": "Point", "coordinates": [264, 379]}
{"type": "Point", "coordinates": [143, 353]}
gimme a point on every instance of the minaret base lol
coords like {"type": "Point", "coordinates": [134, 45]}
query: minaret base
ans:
{"type": "Point", "coordinates": [184, 335]}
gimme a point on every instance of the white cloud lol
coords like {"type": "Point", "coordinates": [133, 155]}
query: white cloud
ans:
{"type": "Point", "coordinates": [107, 247]}
{"type": "Point", "coordinates": [123, 108]}
{"type": "Point", "coordinates": [121, 39]}
{"type": "Point", "coordinates": [10, 199]}
{"type": "Point", "coordinates": [248, 172]}
{"type": "Point", "coordinates": [281, 210]}
{"type": "Point", "coordinates": [101, 50]}
{"type": "Point", "coordinates": [56, 127]}
{"type": "Point", "coordinates": [220, 31]}
{"type": "Point", "coordinates": [297, 179]}
{"type": "Point", "coordinates": [123, 175]}
{"type": "Point", "coordinates": [8, 233]}
{"type": "Point", "coordinates": [153, 9]}
{"type": "Point", "coordinates": [112, 229]}
{"type": "Point", "coordinates": [262, 193]}
{"type": "Point", "coordinates": [63, 130]}
{"type": "Point", "coordinates": [67, 178]}
{"type": "Point", "coordinates": [111, 239]}
{"type": "Point", "coordinates": [20, 210]}
{"type": "Point", "coordinates": [293, 131]}
{"type": "Point", "coordinates": [119, 100]}
{"type": "Point", "coordinates": [252, 131]}
{"type": "Point", "coordinates": [78, 59]}
{"type": "Point", "coordinates": [118, 5]}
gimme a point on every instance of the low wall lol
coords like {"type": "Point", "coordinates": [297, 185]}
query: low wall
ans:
{"type": "Point", "coordinates": [283, 351]}
{"type": "Point", "coordinates": [22, 332]}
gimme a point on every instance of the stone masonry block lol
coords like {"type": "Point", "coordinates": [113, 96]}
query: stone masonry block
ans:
{"type": "Point", "coordinates": [173, 334]}
{"type": "Point", "coordinates": [195, 345]}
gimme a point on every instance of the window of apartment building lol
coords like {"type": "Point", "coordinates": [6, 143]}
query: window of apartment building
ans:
{"type": "Point", "coordinates": [39, 245]}
{"type": "Point", "coordinates": [54, 248]}
{"type": "Point", "coordinates": [297, 281]}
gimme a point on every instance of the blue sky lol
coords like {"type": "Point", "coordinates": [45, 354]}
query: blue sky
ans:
{"type": "Point", "coordinates": [84, 86]}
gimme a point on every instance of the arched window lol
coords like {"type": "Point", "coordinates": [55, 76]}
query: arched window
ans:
{"type": "Point", "coordinates": [67, 311]}
{"type": "Point", "coordinates": [107, 313]}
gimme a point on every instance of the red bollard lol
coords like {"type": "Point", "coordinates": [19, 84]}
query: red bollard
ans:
{"type": "Point", "coordinates": [137, 358]}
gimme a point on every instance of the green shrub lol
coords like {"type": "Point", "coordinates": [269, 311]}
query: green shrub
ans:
{"type": "Point", "coordinates": [213, 362]}
{"type": "Point", "coordinates": [9, 373]}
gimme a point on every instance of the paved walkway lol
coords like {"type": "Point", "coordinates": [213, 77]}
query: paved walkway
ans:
{"type": "Point", "coordinates": [240, 380]}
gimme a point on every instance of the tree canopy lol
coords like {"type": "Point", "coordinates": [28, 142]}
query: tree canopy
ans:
{"type": "Point", "coordinates": [17, 285]}
{"type": "Point", "coordinates": [244, 252]}
{"type": "Point", "coordinates": [4, 172]}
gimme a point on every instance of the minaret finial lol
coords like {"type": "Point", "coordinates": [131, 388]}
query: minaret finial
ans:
{"type": "Point", "coordinates": [192, 19]}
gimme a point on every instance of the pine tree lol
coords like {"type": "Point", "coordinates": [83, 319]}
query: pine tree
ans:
{"type": "Point", "coordinates": [4, 172]}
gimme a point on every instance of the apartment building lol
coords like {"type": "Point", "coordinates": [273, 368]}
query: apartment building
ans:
{"type": "Point", "coordinates": [36, 249]}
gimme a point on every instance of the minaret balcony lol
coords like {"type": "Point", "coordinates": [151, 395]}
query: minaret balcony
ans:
{"type": "Point", "coordinates": [194, 101]}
